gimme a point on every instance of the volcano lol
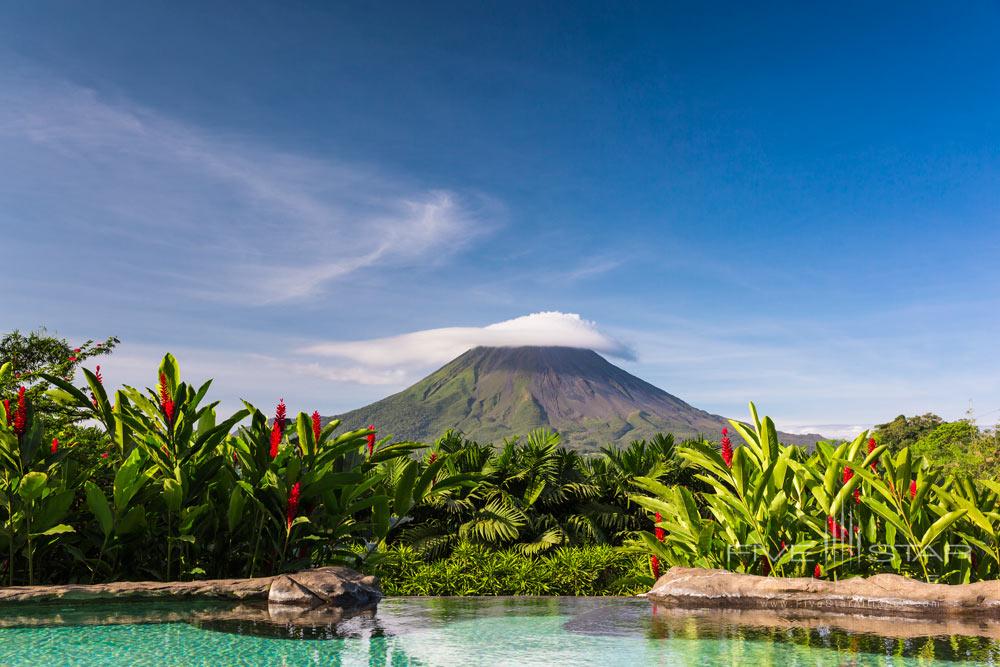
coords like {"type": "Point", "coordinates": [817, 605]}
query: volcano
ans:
{"type": "Point", "coordinates": [493, 393]}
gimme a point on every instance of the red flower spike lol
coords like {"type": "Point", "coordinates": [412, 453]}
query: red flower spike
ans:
{"type": "Point", "coordinates": [55, 445]}
{"type": "Point", "coordinates": [817, 571]}
{"type": "Point", "coordinates": [913, 489]}
{"type": "Point", "coordinates": [279, 413]}
{"type": "Point", "coordinates": [6, 409]}
{"type": "Point", "coordinates": [871, 448]}
{"type": "Point", "coordinates": [21, 414]}
{"type": "Point", "coordinates": [848, 475]}
{"type": "Point", "coordinates": [277, 428]}
{"type": "Point", "coordinates": [275, 439]}
{"type": "Point", "coordinates": [293, 503]}
{"type": "Point", "coordinates": [371, 439]}
{"type": "Point", "coordinates": [104, 455]}
{"type": "Point", "coordinates": [73, 358]}
{"type": "Point", "coordinates": [432, 458]}
{"type": "Point", "coordinates": [837, 531]}
{"type": "Point", "coordinates": [726, 448]}
{"type": "Point", "coordinates": [654, 564]}
{"type": "Point", "coordinates": [100, 381]}
{"type": "Point", "coordinates": [166, 402]}
{"type": "Point", "coordinates": [76, 350]}
{"type": "Point", "coordinates": [317, 426]}
{"type": "Point", "coordinates": [660, 533]}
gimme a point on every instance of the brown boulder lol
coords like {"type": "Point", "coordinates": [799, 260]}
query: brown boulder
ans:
{"type": "Point", "coordinates": [329, 586]}
{"type": "Point", "coordinates": [696, 587]}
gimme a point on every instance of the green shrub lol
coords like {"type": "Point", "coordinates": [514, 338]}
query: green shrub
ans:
{"type": "Point", "coordinates": [473, 569]}
{"type": "Point", "coordinates": [843, 510]}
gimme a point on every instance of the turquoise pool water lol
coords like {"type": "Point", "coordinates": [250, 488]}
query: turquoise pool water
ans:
{"type": "Point", "coordinates": [443, 631]}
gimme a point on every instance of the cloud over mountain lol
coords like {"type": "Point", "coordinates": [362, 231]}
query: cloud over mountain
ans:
{"type": "Point", "coordinates": [436, 346]}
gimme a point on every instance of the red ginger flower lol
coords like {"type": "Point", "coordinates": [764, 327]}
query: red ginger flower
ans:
{"type": "Point", "coordinates": [371, 439]}
{"type": "Point", "coordinates": [726, 447]}
{"type": "Point", "coordinates": [21, 413]}
{"type": "Point", "coordinates": [72, 358]}
{"type": "Point", "coordinates": [848, 475]}
{"type": "Point", "coordinates": [871, 448]}
{"type": "Point", "coordinates": [279, 413]}
{"type": "Point", "coordinates": [100, 381]}
{"type": "Point", "coordinates": [275, 439]}
{"type": "Point", "coordinates": [913, 489]}
{"type": "Point", "coordinates": [660, 533]}
{"type": "Point", "coordinates": [104, 455]}
{"type": "Point", "coordinates": [293, 503]}
{"type": "Point", "coordinates": [817, 571]}
{"type": "Point", "coordinates": [837, 531]}
{"type": "Point", "coordinates": [317, 425]}
{"type": "Point", "coordinates": [55, 445]}
{"type": "Point", "coordinates": [166, 402]}
{"type": "Point", "coordinates": [654, 563]}
{"type": "Point", "coordinates": [432, 458]}
{"type": "Point", "coordinates": [277, 428]}
{"type": "Point", "coordinates": [6, 409]}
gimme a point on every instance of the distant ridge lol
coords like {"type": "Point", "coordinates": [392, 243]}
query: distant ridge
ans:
{"type": "Point", "coordinates": [492, 393]}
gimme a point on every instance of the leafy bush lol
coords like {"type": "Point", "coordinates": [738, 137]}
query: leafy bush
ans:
{"type": "Point", "coordinates": [174, 493]}
{"type": "Point", "coordinates": [847, 509]}
{"type": "Point", "coordinates": [479, 570]}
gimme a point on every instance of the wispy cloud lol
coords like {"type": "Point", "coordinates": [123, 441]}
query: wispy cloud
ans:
{"type": "Point", "coordinates": [436, 346]}
{"type": "Point", "coordinates": [234, 219]}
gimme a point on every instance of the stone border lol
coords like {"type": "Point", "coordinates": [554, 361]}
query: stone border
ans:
{"type": "Point", "coordinates": [882, 594]}
{"type": "Point", "coordinates": [326, 586]}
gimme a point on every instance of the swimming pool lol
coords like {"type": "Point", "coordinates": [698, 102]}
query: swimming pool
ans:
{"type": "Point", "coordinates": [460, 631]}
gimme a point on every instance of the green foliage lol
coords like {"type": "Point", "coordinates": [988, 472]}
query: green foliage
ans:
{"type": "Point", "coordinates": [958, 447]}
{"type": "Point", "coordinates": [848, 508]}
{"type": "Point", "coordinates": [533, 496]}
{"type": "Point", "coordinates": [905, 431]}
{"type": "Point", "coordinates": [473, 569]}
{"type": "Point", "coordinates": [163, 488]}
{"type": "Point", "coordinates": [32, 356]}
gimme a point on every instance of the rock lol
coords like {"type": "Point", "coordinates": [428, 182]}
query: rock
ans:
{"type": "Point", "coordinates": [331, 586]}
{"type": "Point", "coordinates": [890, 593]}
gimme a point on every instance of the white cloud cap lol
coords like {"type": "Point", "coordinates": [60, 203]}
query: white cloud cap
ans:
{"type": "Point", "coordinates": [437, 346]}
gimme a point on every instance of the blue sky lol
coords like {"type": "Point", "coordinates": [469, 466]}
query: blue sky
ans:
{"type": "Point", "coordinates": [795, 205]}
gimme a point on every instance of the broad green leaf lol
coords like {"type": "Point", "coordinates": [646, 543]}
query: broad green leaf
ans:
{"type": "Point", "coordinates": [939, 527]}
{"type": "Point", "coordinates": [32, 485]}
{"type": "Point", "coordinates": [99, 507]}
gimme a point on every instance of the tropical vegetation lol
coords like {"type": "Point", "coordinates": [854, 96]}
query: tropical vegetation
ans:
{"type": "Point", "coordinates": [101, 485]}
{"type": "Point", "coordinates": [171, 490]}
{"type": "Point", "coordinates": [853, 508]}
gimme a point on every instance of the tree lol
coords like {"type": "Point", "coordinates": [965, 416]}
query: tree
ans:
{"type": "Point", "coordinates": [38, 353]}
{"type": "Point", "coordinates": [904, 431]}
